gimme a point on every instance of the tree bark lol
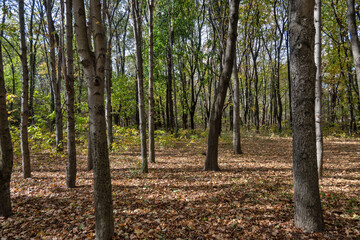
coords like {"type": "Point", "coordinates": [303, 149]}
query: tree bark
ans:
{"type": "Point", "coordinates": [318, 88]}
{"type": "Point", "coordinates": [151, 83]}
{"type": "Point", "coordinates": [55, 80]}
{"type": "Point", "coordinates": [6, 150]}
{"type": "Point", "coordinates": [94, 65]}
{"type": "Point", "coordinates": [70, 101]}
{"type": "Point", "coordinates": [308, 213]}
{"type": "Point", "coordinates": [355, 44]}
{"type": "Point", "coordinates": [211, 161]}
{"type": "Point", "coordinates": [136, 13]}
{"type": "Point", "coordinates": [25, 154]}
{"type": "Point", "coordinates": [108, 83]}
{"type": "Point", "coordinates": [236, 109]}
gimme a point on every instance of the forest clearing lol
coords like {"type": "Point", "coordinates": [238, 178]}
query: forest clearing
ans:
{"type": "Point", "coordinates": [250, 198]}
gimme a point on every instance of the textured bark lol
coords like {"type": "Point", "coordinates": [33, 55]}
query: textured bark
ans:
{"type": "Point", "coordinates": [6, 151]}
{"type": "Point", "coordinates": [318, 89]}
{"type": "Point", "coordinates": [236, 109]}
{"type": "Point", "coordinates": [25, 154]}
{"type": "Point", "coordinates": [55, 80]}
{"type": "Point", "coordinates": [94, 65]}
{"type": "Point", "coordinates": [355, 44]}
{"type": "Point", "coordinates": [151, 83]}
{"type": "Point", "coordinates": [308, 213]}
{"type": "Point", "coordinates": [136, 13]}
{"type": "Point", "coordinates": [211, 162]}
{"type": "Point", "coordinates": [70, 101]}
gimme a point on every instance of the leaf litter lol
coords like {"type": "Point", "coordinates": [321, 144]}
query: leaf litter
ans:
{"type": "Point", "coordinates": [251, 198]}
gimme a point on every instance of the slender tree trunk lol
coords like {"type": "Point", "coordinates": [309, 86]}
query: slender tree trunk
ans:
{"type": "Point", "coordinates": [211, 162]}
{"type": "Point", "coordinates": [318, 88]}
{"type": "Point", "coordinates": [169, 90]}
{"type": "Point", "coordinates": [25, 154]}
{"type": "Point", "coordinates": [70, 101]}
{"type": "Point", "coordinates": [6, 150]}
{"type": "Point", "coordinates": [136, 13]}
{"type": "Point", "coordinates": [308, 213]}
{"type": "Point", "coordinates": [55, 80]}
{"type": "Point", "coordinates": [108, 83]}
{"type": "Point", "coordinates": [108, 108]}
{"type": "Point", "coordinates": [355, 44]}
{"type": "Point", "coordinates": [236, 109]}
{"type": "Point", "coordinates": [94, 65]}
{"type": "Point", "coordinates": [32, 63]}
{"type": "Point", "coordinates": [151, 83]}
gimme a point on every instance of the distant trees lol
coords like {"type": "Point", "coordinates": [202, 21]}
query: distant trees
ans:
{"type": "Point", "coordinates": [190, 58]}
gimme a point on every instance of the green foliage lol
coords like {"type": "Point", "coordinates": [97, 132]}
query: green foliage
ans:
{"type": "Point", "coordinates": [125, 138]}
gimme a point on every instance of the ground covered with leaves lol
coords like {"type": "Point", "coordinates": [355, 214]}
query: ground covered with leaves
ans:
{"type": "Point", "coordinates": [251, 198]}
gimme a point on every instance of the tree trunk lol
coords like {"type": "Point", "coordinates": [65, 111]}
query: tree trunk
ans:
{"type": "Point", "coordinates": [137, 18]}
{"type": "Point", "coordinates": [94, 65]}
{"type": "Point", "coordinates": [308, 213]}
{"type": "Point", "coordinates": [318, 88]}
{"type": "Point", "coordinates": [355, 44]}
{"type": "Point", "coordinates": [169, 99]}
{"type": "Point", "coordinates": [108, 83]}
{"type": "Point", "coordinates": [236, 109]}
{"type": "Point", "coordinates": [70, 101]}
{"type": "Point", "coordinates": [32, 58]}
{"type": "Point", "coordinates": [55, 81]}
{"type": "Point", "coordinates": [211, 162]}
{"type": "Point", "coordinates": [25, 154]}
{"type": "Point", "coordinates": [151, 83]}
{"type": "Point", "coordinates": [6, 151]}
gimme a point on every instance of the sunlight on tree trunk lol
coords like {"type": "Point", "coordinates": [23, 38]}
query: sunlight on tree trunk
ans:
{"type": "Point", "coordinates": [318, 88]}
{"type": "Point", "coordinates": [25, 154]}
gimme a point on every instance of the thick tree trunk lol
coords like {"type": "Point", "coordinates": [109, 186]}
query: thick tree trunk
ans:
{"type": "Point", "coordinates": [308, 213]}
{"type": "Point", "coordinates": [94, 65]}
{"type": "Point", "coordinates": [236, 109]}
{"type": "Point", "coordinates": [355, 44]}
{"type": "Point", "coordinates": [211, 162]}
{"type": "Point", "coordinates": [151, 83]}
{"type": "Point", "coordinates": [70, 101]}
{"type": "Point", "coordinates": [25, 154]}
{"type": "Point", "coordinates": [318, 88]}
{"type": "Point", "coordinates": [136, 13]}
{"type": "Point", "coordinates": [6, 151]}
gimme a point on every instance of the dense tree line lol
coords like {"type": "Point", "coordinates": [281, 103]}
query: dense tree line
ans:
{"type": "Point", "coordinates": [185, 53]}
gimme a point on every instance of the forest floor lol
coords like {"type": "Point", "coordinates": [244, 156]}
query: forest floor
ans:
{"type": "Point", "coordinates": [251, 198]}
